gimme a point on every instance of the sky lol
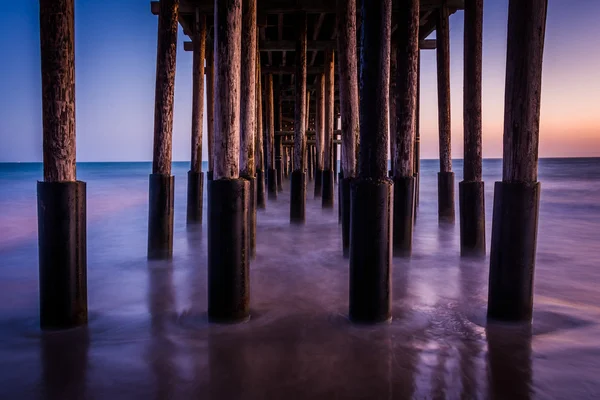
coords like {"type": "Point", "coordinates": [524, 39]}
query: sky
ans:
{"type": "Point", "coordinates": [115, 56]}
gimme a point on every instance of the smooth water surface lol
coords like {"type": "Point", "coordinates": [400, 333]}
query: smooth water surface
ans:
{"type": "Point", "coordinates": [148, 337]}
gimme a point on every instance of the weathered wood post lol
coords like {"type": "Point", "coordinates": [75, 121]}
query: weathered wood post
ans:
{"type": "Point", "coordinates": [228, 286]}
{"type": "Point", "coordinates": [259, 148]}
{"type": "Point", "coordinates": [298, 181]}
{"type": "Point", "coordinates": [446, 211]}
{"type": "Point", "coordinates": [393, 77]}
{"type": "Point", "coordinates": [195, 189]}
{"type": "Point", "coordinates": [248, 114]}
{"type": "Point", "coordinates": [328, 180]}
{"type": "Point", "coordinates": [162, 183]}
{"type": "Point", "coordinates": [320, 133]}
{"type": "Point", "coordinates": [406, 106]}
{"type": "Point", "coordinates": [516, 198]}
{"type": "Point", "coordinates": [61, 197]}
{"type": "Point", "coordinates": [278, 138]}
{"type": "Point", "coordinates": [349, 108]}
{"type": "Point", "coordinates": [210, 109]}
{"type": "Point", "coordinates": [308, 151]}
{"type": "Point", "coordinates": [418, 136]}
{"type": "Point", "coordinates": [372, 197]}
{"type": "Point", "coordinates": [471, 189]}
{"type": "Point", "coordinates": [270, 132]}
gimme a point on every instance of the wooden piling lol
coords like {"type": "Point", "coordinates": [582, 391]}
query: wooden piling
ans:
{"type": "Point", "coordinates": [195, 188]}
{"type": "Point", "coordinates": [417, 156]}
{"type": "Point", "coordinates": [516, 198]}
{"type": "Point", "coordinates": [161, 210]}
{"type": "Point", "coordinates": [278, 147]}
{"type": "Point", "coordinates": [392, 107]}
{"type": "Point", "coordinates": [349, 107]}
{"type": "Point", "coordinates": [210, 109]}
{"type": "Point", "coordinates": [298, 181]}
{"type": "Point", "coordinates": [228, 285]}
{"type": "Point", "coordinates": [328, 180]}
{"type": "Point", "coordinates": [307, 152]}
{"type": "Point", "coordinates": [320, 133]}
{"type": "Point", "coordinates": [371, 204]}
{"type": "Point", "coordinates": [446, 211]}
{"type": "Point", "coordinates": [270, 135]}
{"type": "Point", "coordinates": [259, 148]}
{"type": "Point", "coordinates": [248, 114]}
{"type": "Point", "coordinates": [471, 189]}
{"type": "Point", "coordinates": [61, 198]}
{"type": "Point", "coordinates": [406, 107]}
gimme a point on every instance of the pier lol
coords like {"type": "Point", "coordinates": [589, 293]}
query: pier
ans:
{"type": "Point", "coordinates": [293, 86]}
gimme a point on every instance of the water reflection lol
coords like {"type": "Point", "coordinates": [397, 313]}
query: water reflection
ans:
{"type": "Point", "coordinates": [64, 364]}
{"type": "Point", "coordinates": [509, 361]}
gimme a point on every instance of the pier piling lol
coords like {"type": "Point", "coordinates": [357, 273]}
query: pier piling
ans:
{"type": "Point", "coordinates": [320, 133]}
{"type": "Point", "coordinates": [298, 181]}
{"type": "Point", "coordinates": [405, 115]}
{"type": "Point", "coordinates": [270, 136]}
{"type": "Point", "coordinates": [446, 212]}
{"type": "Point", "coordinates": [228, 284]}
{"type": "Point", "coordinates": [517, 196]}
{"type": "Point", "coordinates": [471, 189]}
{"type": "Point", "coordinates": [372, 197]}
{"type": "Point", "coordinates": [61, 198]}
{"type": "Point", "coordinates": [259, 145]}
{"type": "Point", "coordinates": [195, 175]}
{"type": "Point", "coordinates": [328, 177]}
{"type": "Point", "coordinates": [162, 183]}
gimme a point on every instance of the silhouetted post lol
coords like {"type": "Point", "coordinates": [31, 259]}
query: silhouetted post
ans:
{"type": "Point", "coordinates": [418, 136]}
{"type": "Point", "coordinates": [406, 110]}
{"type": "Point", "coordinates": [195, 174]}
{"type": "Point", "coordinates": [471, 189]}
{"type": "Point", "coordinates": [328, 174]}
{"type": "Point", "coordinates": [162, 183]}
{"type": "Point", "coordinates": [210, 108]}
{"type": "Point", "coordinates": [308, 151]}
{"type": "Point", "coordinates": [228, 285]}
{"type": "Point", "coordinates": [320, 133]}
{"type": "Point", "coordinates": [516, 198]}
{"type": "Point", "coordinates": [393, 73]}
{"type": "Point", "coordinates": [248, 114]}
{"type": "Point", "coordinates": [286, 162]}
{"type": "Point", "coordinates": [61, 197]}
{"type": "Point", "coordinates": [270, 121]}
{"type": "Point", "coordinates": [278, 139]}
{"type": "Point", "coordinates": [372, 197]}
{"type": "Point", "coordinates": [445, 176]}
{"type": "Point", "coordinates": [298, 182]}
{"type": "Point", "coordinates": [349, 108]}
{"type": "Point", "coordinates": [259, 148]}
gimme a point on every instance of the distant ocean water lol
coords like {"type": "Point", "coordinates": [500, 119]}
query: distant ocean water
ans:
{"type": "Point", "coordinates": [140, 331]}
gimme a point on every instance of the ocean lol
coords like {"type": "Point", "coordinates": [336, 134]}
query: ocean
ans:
{"type": "Point", "coordinates": [148, 336]}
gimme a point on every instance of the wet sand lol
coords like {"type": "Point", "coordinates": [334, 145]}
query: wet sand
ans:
{"type": "Point", "coordinates": [148, 337]}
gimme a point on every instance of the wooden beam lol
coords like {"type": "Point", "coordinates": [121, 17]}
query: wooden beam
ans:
{"type": "Point", "coordinates": [287, 6]}
{"type": "Point", "coordinates": [290, 45]}
{"type": "Point", "coordinates": [316, 32]}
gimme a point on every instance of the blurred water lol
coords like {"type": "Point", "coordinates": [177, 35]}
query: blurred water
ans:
{"type": "Point", "coordinates": [148, 336]}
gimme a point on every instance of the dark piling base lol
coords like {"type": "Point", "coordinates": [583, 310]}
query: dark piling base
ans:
{"type": "Point", "coordinates": [416, 202]}
{"type": "Point", "coordinates": [260, 190]}
{"type": "Point", "coordinates": [63, 254]}
{"type": "Point", "coordinates": [404, 207]}
{"type": "Point", "coordinates": [318, 183]}
{"type": "Point", "coordinates": [446, 213]}
{"type": "Point", "coordinates": [272, 183]}
{"type": "Point", "coordinates": [327, 191]}
{"type": "Point", "coordinates": [195, 197]}
{"type": "Point", "coordinates": [228, 284]}
{"type": "Point", "coordinates": [344, 200]}
{"type": "Point", "coordinates": [391, 174]}
{"type": "Point", "coordinates": [209, 175]}
{"type": "Point", "coordinates": [160, 216]}
{"type": "Point", "coordinates": [512, 257]}
{"type": "Point", "coordinates": [298, 197]}
{"type": "Point", "coordinates": [472, 218]}
{"type": "Point", "coordinates": [370, 250]}
{"type": "Point", "coordinates": [340, 178]}
{"type": "Point", "coordinates": [251, 207]}
{"type": "Point", "coordinates": [279, 169]}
